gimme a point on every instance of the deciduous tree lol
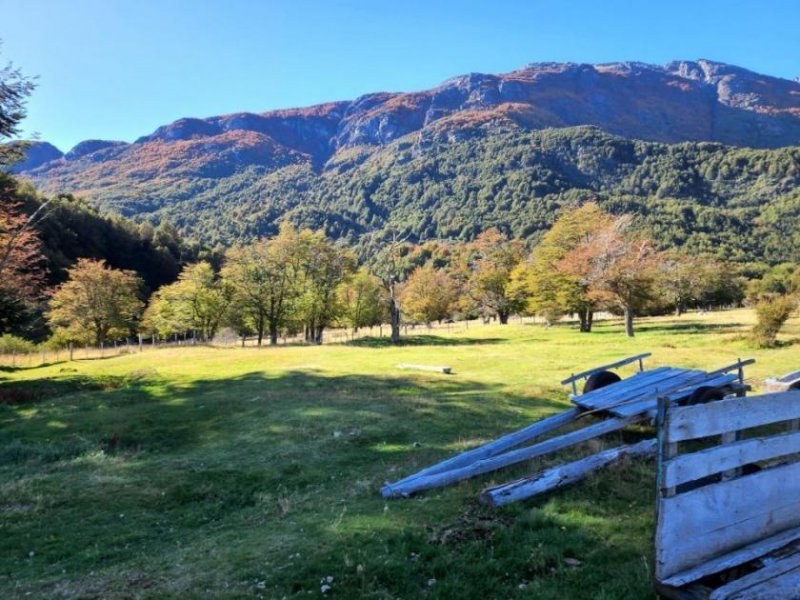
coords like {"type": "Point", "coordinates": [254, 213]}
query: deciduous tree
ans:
{"type": "Point", "coordinates": [429, 294]}
{"type": "Point", "coordinates": [96, 302]}
{"type": "Point", "coordinates": [492, 259]}
{"type": "Point", "coordinates": [618, 266]}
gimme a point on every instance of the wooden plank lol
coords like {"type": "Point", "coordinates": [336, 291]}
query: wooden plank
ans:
{"type": "Point", "coordinates": [562, 475]}
{"type": "Point", "coordinates": [744, 586]}
{"type": "Point", "coordinates": [625, 389]}
{"type": "Point", "coordinates": [784, 587]}
{"type": "Point", "coordinates": [445, 370]}
{"type": "Point", "coordinates": [706, 522]}
{"type": "Point", "coordinates": [731, 559]}
{"type": "Point", "coordinates": [738, 365]}
{"type": "Point", "coordinates": [672, 394]}
{"type": "Point", "coordinates": [493, 448]}
{"type": "Point", "coordinates": [732, 414]}
{"type": "Point", "coordinates": [614, 365]}
{"type": "Point", "coordinates": [679, 388]}
{"type": "Point", "coordinates": [690, 467]}
{"type": "Point", "coordinates": [512, 457]}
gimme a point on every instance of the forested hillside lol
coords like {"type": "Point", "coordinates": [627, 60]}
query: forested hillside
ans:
{"type": "Point", "coordinates": [735, 203]}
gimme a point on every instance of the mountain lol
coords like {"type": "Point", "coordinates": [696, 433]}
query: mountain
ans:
{"type": "Point", "coordinates": [475, 151]}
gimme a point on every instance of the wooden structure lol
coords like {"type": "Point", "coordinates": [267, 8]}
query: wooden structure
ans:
{"type": "Point", "coordinates": [614, 407]}
{"type": "Point", "coordinates": [728, 524]}
{"type": "Point", "coordinates": [445, 370]}
{"type": "Point", "coordinates": [790, 381]}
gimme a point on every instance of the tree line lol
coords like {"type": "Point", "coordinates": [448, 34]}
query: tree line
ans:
{"type": "Point", "coordinates": [300, 282]}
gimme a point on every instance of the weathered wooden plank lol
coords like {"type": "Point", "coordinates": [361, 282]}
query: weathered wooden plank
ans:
{"type": "Point", "coordinates": [678, 388]}
{"type": "Point", "coordinates": [738, 365]}
{"type": "Point", "coordinates": [690, 467]}
{"type": "Point", "coordinates": [493, 448]}
{"type": "Point", "coordinates": [715, 519]}
{"type": "Point", "coordinates": [445, 370]}
{"type": "Point", "coordinates": [673, 394]}
{"type": "Point", "coordinates": [732, 414]}
{"type": "Point", "coordinates": [562, 475]}
{"type": "Point", "coordinates": [627, 388]}
{"type": "Point", "coordinates": [512, 457]}
{"type": "Point", "coordinates": [614, 365]}
{"type": "Point", "coordinates": [731, 559]}
{"type": "Point", "coordinates": [745, 586]}
{"type": "Point", "coordinates": [784, 587]}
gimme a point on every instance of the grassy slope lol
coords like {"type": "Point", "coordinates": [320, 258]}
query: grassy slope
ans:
{"type": "Point", "coordinates": [216, 471]}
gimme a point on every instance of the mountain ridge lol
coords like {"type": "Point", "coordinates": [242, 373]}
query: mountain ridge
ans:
{"type": "Point", "coordinates": [377, 117]}
{"type": "Point", "coordinates": [479, 150]}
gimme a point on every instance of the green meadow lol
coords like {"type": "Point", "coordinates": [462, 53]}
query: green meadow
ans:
{"type": "Point", "coordinates": [230, 472]}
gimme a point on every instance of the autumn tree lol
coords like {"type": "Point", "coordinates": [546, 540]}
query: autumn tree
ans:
{"type": "Point", "coordinates": [619, 267]}
{"type": "Point", "coordinates": [429, 294]}
{"type": "Point", "coordinates": [22, 264]}
{"type": "Point", "coordinates": [551, 291]}
{"type": "Point", "coordinates": [96, 302]}
{"type": "Point", "coordinates": [491, 259]}
{"type": "Point", "coordinates": [361, 301]}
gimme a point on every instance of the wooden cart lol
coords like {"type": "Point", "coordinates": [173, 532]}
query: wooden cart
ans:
{"type": "Point", "coordinates": [607, 409]}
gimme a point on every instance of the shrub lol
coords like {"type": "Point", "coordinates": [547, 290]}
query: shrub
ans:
{"type": "Point", "coordinates": [772, 313]}
{"type": "Point", "coordinates": [11, 343]}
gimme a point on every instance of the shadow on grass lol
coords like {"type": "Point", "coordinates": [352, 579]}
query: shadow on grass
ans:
{"type": "Point", "coordinates": [422, 340]}
{"type": "Point", "coordinates": [276, 460]}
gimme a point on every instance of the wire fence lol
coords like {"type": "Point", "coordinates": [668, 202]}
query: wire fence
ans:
{"type": "Point", "coordinates": [76, 352]}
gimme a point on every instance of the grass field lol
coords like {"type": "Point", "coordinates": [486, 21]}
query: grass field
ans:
{"type": "Point", "coordinates": [198, 471]}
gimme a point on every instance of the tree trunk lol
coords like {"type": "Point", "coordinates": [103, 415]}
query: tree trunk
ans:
{"type": "Point", "coordinates": [629, 321]}
{"type": "Point", "coordinates": [503, 316]}
{"type": "Point", "coordinates": [583, 317]}
{"type": "Point", "coordinates": [394, 311]}
{"type": "Point", "coordinates": [273, 335]}
{"type": "Point", "coordinates": [318, 334]}
{"type": "Point", "coordinates": [679, 309]}
{"type": "Point", "coordinates": [244, 336]}
{"type": "Point", "coordinates": [589, 321]}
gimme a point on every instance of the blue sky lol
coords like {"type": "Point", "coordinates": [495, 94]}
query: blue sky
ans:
{"type": "Point", "coordinates": [115, 69]}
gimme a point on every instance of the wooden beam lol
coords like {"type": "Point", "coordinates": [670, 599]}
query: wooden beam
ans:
{"type": "Point", "coordinates": [717, 459]}
{"type": "Point", "coordinates": [512, 457]}
{"type": "Point", "coordinates": [733, 559]}
{"type": "Point", "coordinates": [493, 448]}
{"type": "Point", "coordinates": [446, 370]}
{"type": "Point", "coordinates": [614, 365]}
{"type": "Point", "coordinates": [562, 475]}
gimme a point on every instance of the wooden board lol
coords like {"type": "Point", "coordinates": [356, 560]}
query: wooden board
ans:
{"type": "Point", "coordinates": [562, 475]}
{"type": "Point", "coordinates": [493, 448]}
{"type": "Point", "coordinates": [733, 559]}
{"type": "Point", "coordinates": [511, 457]}
{"type": "Point", "coordinates": [690, 467]}
{"type": "Point", "coordinates": [773, 576]}
{"type": "Point", "coordinates": [613, 365]}
{"type": "Point", "coordinates": [733, 414]}
{"type": "Point", "coordinates": [710, 521]}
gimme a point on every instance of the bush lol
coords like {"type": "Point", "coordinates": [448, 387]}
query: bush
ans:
{"type": "Point", "coordinates": [772, 313]}
{"type": "Point", "coordinates": [12, 344]}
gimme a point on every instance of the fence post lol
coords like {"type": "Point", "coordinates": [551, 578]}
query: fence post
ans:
{"type": "Point", "coordinates": [70, 351]}
{"type": "Point", "coordinates": [140, 342]}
